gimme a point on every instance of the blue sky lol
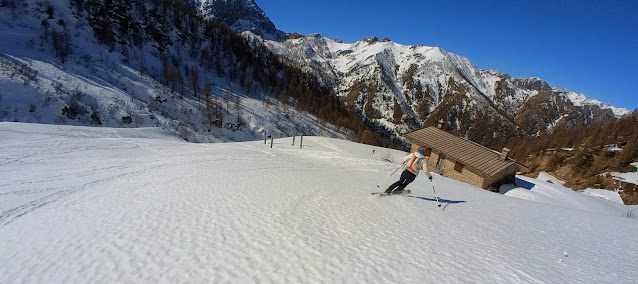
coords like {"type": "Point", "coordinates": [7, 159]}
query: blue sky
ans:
{"type": "Point", "coordinates": [588, 47]}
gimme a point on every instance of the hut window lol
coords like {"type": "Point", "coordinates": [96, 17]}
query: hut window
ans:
{"type": "Point", "coordinates": [428, 152]}
{"type": "Point", "coordinates": [458, 167]}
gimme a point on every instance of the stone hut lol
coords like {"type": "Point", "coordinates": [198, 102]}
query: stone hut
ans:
{"type": "Point", "coordinates": [461, 159]}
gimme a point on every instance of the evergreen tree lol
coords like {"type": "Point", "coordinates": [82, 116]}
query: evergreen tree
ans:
{"type": "Point", "coordinates": [61, 44]}
{"type": "Point", "coordinates": [398, 112]}
{"type": "Point", "coordinates": [45, 31]}
{"type": "Point", "coordinates": [629, 153]}
{"type": "Point", "coordinates": [238, 106]}
{"type": "Point", "coordinates": [228, 96]}
{"type": "Point", "coordinates": [193, 78]}
{"type": "Point", "coordinates": [142, 63]}
{"type": "Point", "coordinates": [209, 111]}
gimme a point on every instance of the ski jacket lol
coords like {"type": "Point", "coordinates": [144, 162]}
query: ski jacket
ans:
{"type": "Point", "coordinates": [413, 164]}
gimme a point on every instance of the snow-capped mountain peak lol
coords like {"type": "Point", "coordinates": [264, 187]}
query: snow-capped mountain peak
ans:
{"type": "Point", "coordinates": [582, 100]}
{"type": "Point", "coordinates": [405, 87]}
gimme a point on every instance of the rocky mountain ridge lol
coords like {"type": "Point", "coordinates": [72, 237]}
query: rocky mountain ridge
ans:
{"type": "Point", "coordinates": [242, 15]}
{"type": "Point", "coordinates": [407, 87]}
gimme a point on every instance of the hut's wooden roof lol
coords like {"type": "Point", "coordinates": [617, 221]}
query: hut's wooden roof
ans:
{"type": "Point", "coordinates": [460, 149]}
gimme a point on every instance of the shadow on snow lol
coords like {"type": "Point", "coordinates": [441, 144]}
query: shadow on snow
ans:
{"type": "Point", "coordinates": [440, 199]}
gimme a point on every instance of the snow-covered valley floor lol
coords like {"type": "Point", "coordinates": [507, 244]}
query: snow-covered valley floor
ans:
{"type": "Point", "coordinates": [80, 204]}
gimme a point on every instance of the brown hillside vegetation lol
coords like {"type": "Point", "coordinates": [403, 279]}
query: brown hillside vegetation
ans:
{"type": "Point", "coordinates": [581, 156]}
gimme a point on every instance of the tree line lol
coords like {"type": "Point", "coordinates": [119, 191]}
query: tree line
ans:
{"type": "Point", "coordinates": [589, 144]}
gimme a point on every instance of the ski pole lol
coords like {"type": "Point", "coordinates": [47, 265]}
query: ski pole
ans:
{"type": "Point", "coordinates": [390, 175]}
{"type": "Point", "coordinates": [437, 199]}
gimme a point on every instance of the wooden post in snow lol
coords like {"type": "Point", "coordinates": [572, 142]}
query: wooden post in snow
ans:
{"type": "Point", "coordinates": [264, 131]}
{"type": "Point", "coordinates": [271, 138]}
{"type": "Point", "coordinates": [301, 142]}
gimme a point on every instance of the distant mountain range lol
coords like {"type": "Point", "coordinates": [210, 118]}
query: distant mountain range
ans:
{"type": "Point", "coordinates": [407, 87]}
{"type": "Point", "coordinates": [146, 63]}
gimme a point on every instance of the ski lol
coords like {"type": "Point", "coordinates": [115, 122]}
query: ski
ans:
{"type": "Point", "coordinates": [382, 194]}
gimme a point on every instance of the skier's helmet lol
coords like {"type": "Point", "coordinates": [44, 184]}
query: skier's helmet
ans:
{"type": "Point", "coordinates": [420, 154]}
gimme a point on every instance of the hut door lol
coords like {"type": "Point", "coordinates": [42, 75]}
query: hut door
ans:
{"type": "Point", "coordinates": [439, 162]}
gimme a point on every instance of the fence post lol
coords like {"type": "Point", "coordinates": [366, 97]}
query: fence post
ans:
{"type": "Point", "coordinates": [264, 131]}
{"type": "Point", "coordinates": [271, 138]}
{"type": "Point", "coordinates": [301, 142]}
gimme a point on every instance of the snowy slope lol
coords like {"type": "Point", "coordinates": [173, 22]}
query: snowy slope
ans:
{"type": "Point", "coordinates": [83, 204]}
{"type": "Point", "coordinates": [631, 177]}
{"type": "Point", "coordinates": [605, 194]}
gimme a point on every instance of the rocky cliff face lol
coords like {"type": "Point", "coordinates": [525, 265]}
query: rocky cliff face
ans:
{"type": "Point", "coordinates": [242, 15]}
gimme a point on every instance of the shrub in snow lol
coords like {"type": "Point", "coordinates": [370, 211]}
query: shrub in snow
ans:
{"type": "Point", "coordinates": [387, 157]}
{"type": "Point", "coordinates": [69, 112]}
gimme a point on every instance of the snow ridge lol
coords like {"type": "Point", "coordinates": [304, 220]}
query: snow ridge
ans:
{"type": "Point", "coordinates": [582, 100]}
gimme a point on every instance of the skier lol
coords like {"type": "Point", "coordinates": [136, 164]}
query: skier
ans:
{"type": "Point", "coordinates": [415, 162]}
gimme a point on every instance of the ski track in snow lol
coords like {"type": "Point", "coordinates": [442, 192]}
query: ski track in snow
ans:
{"type": "Point", "coordinates": [98, 208]}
